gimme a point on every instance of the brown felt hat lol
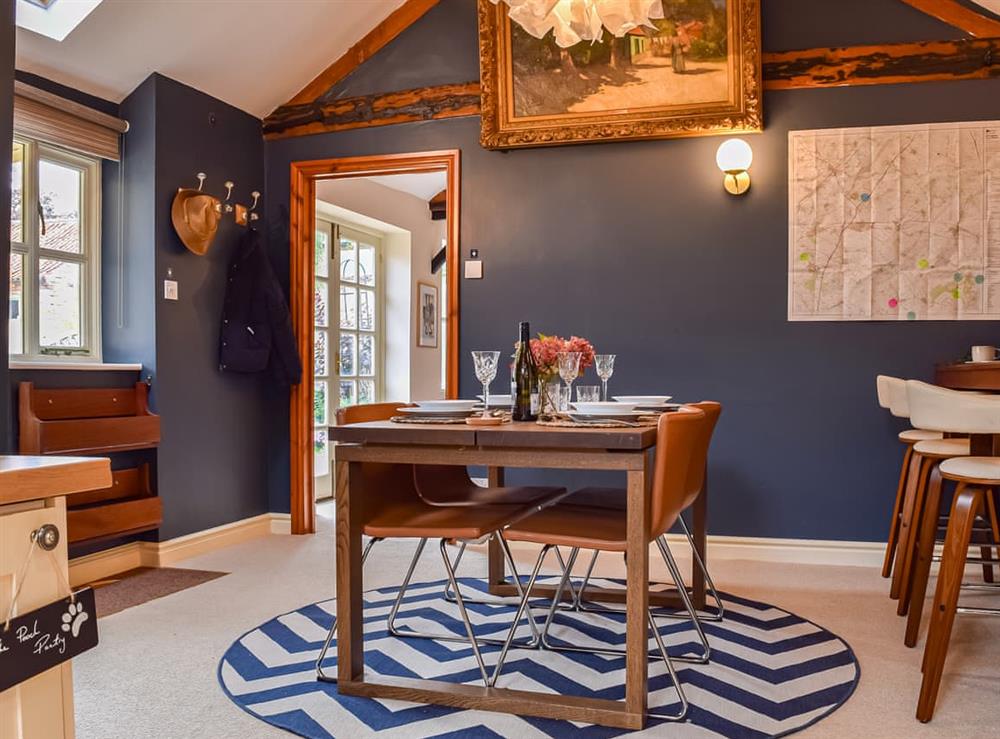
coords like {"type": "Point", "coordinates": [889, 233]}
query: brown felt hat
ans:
{"type": "Point", "coordinates": [196, 218]}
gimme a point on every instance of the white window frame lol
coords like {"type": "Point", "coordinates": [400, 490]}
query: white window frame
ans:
{"type": "Point", "coordinates": [89, 257]}
{"type": "Point", "coordinates": [375, 239]}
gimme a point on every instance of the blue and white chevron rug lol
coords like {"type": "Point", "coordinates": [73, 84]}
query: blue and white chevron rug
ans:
{"type": "Point", "coordinates": [772, 673]}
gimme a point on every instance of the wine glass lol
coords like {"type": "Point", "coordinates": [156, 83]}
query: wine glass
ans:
{"type": "Point", "coordinates": [569, 368]}
{"type": "Point", "coordinates": [486, 371]}
{"type": "Point", "coordinates": [604, 364]}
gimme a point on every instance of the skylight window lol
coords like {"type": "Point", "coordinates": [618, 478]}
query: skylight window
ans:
{"type": "Point", "coordinates": [53, 18]}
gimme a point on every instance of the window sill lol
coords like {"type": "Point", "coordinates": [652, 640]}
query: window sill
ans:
{"type": "Point", "coordinates": [74, 366]}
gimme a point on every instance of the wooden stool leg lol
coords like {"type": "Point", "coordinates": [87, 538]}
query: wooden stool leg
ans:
{"type": "Point", "coordinates": [927, 537]}
{"type": "Point", "coordinates": [956, 549]}
{"type": "Point", "coordinates": [906, 515]}
{"type": "Point", "coordinates": [908, 554]}
{"type": "Point", "coordinates": [890, 547]}
{"type": "Point", "coordinates": [991, 511]}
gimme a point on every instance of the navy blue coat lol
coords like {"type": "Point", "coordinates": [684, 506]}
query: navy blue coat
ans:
{"type": "Point", "coordinates": [256, 325]}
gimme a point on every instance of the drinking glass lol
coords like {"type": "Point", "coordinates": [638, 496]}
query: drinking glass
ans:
{"type": "Point", "coordinates": [604, 364]}
{"type": "Point", "coordinates": [486, 371]}
{"type": "Point", "coordinates": [569, 368]}
{"type": "Point", "coordinates": [588, 393]}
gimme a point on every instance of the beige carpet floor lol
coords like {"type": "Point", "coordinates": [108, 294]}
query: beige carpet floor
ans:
{"type": "Point", "coordinates": [154, 673]}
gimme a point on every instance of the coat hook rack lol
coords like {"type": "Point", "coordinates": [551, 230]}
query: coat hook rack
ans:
{"type": "Point", "coordinates": [242, 214]}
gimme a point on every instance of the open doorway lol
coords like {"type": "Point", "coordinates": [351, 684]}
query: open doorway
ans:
{"type": "Point", "coordinates": [381, 279]}
{"type": "Point", "coordinates": [374, 299]}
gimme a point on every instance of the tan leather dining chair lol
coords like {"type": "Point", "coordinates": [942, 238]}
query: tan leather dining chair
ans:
{"type": "Point", "coordinates": [977, 480]}
{"type": "Point", "coordinates": [614, 499]}
{"type": "Point", "coordinates": [568, 524]}
{"type": "Point", "coordinates": [413, 500]}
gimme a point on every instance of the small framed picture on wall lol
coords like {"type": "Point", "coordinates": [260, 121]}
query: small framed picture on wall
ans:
{"type": "Point", "coordinates": [429, 319]}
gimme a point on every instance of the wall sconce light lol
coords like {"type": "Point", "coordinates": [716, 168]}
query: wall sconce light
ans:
{"type": "Point", "coordinates": [734, 157]}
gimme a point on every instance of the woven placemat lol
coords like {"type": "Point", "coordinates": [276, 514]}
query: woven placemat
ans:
{"type": "Point", "coordinates": [444, 421]}
{"type": "Point", "coordinates": [566, 422]}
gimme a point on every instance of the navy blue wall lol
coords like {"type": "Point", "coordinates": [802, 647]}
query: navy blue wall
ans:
{"type": "Point", "coordinates": [637, 246]}
{"type": "Point", "coordinates": [212, 465]}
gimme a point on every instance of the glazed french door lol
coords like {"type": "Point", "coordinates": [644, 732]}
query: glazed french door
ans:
{"type": "Point", "coordinates": [323, 323]}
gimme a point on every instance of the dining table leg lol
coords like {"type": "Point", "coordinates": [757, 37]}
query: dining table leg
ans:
{"type": "Point", "coordinates": [496, 566]}
{"type": "Point", "coordinates": [350, 635]}
{"type": "Point", "coordinates": [637, 600]}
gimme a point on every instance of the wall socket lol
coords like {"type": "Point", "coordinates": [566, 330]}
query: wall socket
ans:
{"type": "Point", "coordinates": [170, 289]}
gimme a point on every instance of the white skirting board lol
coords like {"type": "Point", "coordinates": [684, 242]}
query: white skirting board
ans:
{"type": "Point", "coordinates": [110, 562]}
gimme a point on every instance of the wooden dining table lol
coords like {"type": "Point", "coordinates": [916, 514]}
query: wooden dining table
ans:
{"type": "Point", "coordinates": [513, 445]}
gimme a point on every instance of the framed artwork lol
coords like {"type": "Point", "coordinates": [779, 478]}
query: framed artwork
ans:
{"type": "Point", "coordinates": [697, 73]}
{"type": "Point", "coordinates": [429, 319]}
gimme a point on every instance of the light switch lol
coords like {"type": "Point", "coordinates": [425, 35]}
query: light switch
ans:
{"type": "Point", "coordinates": [170, 289]}
{"type": "Point", "coordinates": [473, 269]}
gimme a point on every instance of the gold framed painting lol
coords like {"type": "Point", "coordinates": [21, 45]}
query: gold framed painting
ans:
{"type": "Point", "coordinates": [696, 73]}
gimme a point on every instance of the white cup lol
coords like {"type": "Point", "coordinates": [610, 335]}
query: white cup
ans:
{"type": "Point", "coordinates": [984, 353]}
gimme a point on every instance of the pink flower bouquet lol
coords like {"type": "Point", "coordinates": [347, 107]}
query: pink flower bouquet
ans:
{"type": "Point", "coordinates": [546, 350]}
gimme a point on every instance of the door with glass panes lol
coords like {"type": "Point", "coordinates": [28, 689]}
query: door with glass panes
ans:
{"type": "Point", "coordinates": [348, 331]}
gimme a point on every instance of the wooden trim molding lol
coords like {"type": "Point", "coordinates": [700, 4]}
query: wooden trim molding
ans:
{"type": "Point", "coordinates": [958, 15]}
{"type": "Point", "coordinates": [302, 214]}
{"type": "Point", "coordinates": [883, 64]}
{"type": "Point", "coordinates": [394, 24]}
{"type": "Point", "coordinates": [406, 106]}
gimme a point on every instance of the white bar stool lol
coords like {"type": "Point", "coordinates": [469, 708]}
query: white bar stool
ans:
{"type": "Point", "coordinates": [892, 396]}
{"type": "Point", "coordinates": [977, 478]}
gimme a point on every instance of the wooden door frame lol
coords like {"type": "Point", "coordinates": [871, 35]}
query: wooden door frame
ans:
{"type": "Point", "coordinates": [301, 247]}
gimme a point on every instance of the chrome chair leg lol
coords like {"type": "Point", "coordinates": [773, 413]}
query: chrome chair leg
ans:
{"type": "Point", "coordinates": [408, 633]}
{"type": "Point", "coordinates": [667, 660]}
{"type": "Point", "coordinates": [520, 610]}
{"type": "Point", "coordinates": [679, 716]}
{"type": "Point", "coordinates": [450, 596]}
{"type": "Point", "coordinates": [721, 615]}
{"type": "Point", "coordinates": [678, 579]}
{"type": "Point", "coordinates": [320, 675]}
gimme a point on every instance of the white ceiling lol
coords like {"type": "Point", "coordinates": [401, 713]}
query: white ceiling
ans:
{"type": "Point", "coordinates": [254, 54]}
{"type": "Point", "coordinates": [991, 5]}
{"type": "Point", "coordinates": [424, 186]}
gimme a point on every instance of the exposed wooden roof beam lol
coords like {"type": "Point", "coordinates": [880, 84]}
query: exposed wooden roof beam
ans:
{"type": "Point", "coordinates": [421, 104]}
{"type": "Point", "coordinates": [882, 64]}
{"type": "Point", "coordinates": [398, 21]}
{"type": "Point", "coordinates": [960, 16]}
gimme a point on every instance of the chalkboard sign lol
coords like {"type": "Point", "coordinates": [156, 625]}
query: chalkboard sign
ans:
{"type": "Point", "coordinates": [49, 636]}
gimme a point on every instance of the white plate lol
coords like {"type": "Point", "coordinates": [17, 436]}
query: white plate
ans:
{"type": "Point", "coordinates": [643, 400]}
{"type": "Point", "coordinates": [606, 407]}
{"type": "Point", "coordinates": [499, 401]}
{"type": "Point", "coordinates": [604, 416]}
{"type": "Point", "coordinates": [438, 413]}
{"type": "Point", "coordinates": [446, 405]}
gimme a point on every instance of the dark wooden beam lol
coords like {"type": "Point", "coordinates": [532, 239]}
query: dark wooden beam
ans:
{"type": "Point", "coordinates": [439, 206]}
{"type": "Point", "coordinates": [960, 16]}
{"type": "Point", "coordinates": [395, 23]}
{"type": "Point", "coordinates": [928, 61]}
{"type": "Point", "coordinates": [422, 104]}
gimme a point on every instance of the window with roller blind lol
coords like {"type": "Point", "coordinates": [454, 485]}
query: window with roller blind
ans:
{"type": "Point", "coordinates": [55, 235]}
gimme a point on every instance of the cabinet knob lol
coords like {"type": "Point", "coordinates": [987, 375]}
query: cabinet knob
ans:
{"type": "Point", "coordinates": [46, 536]}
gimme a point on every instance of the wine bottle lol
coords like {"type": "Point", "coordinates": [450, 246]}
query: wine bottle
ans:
{"type": "Point", "coordinates": [525, 377]}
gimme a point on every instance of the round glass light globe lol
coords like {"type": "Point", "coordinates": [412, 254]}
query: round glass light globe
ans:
{"type": "Point", "coordinates": [734, 155]}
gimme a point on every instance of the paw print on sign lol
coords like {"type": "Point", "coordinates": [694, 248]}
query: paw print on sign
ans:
{"type": "Point", "coordinates": [73, 618]}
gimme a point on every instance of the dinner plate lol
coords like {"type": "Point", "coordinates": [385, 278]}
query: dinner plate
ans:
{"type": "Point", "coordinates": [446, 405]}
{"type": "Point", "coordinates": [604, 416]}
{"type": "Point", "coordinates": [438, 413]}
{"type": "Point", "coordinates": [607, 407]}
{"type": "Point", "coordinates": [499, 401]}
{"type": "Point", "coordinates": [644, 400]}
